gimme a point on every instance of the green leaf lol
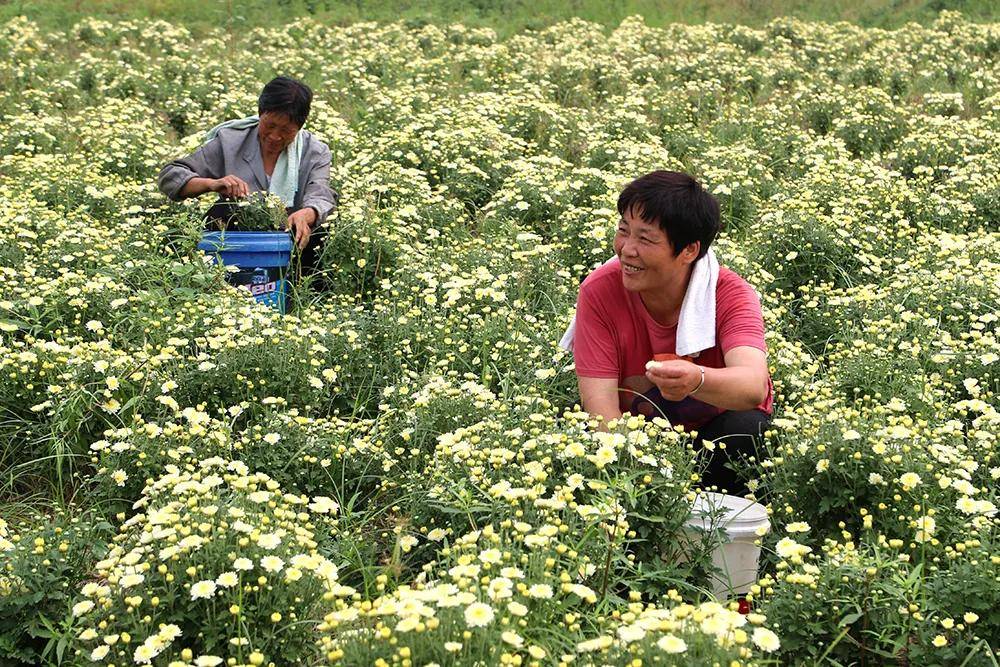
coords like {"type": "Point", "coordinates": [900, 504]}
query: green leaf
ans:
{"type": "Point", "coordinates": [850, 619]}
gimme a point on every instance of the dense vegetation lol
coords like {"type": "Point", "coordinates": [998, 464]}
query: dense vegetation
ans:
{"type": "Point", "coordinates": [507, 17]}
{"type": "Point", "coordinates": [395, 472]}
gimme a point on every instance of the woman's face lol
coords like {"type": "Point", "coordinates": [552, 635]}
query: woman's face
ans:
{"type": "Point", "coordinates": [276, 131]}
{"type": "Point", "coordinates": [647, 258]}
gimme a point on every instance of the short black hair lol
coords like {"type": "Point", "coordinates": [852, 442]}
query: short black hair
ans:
{"type": "Point", "coordinates": [287, 96]}
{"type": "Point", "coordinates": [683, 209]}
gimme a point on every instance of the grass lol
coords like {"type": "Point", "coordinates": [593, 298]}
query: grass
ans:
{"type": "Point", "coordinates": [506, 17]}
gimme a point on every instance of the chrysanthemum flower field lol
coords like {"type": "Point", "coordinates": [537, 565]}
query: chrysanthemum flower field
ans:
{"type": "Point", "coordinates": [396, 472]}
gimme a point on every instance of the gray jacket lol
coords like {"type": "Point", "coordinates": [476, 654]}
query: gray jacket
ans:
{"type": "Point", "coordinates": [237, 152]}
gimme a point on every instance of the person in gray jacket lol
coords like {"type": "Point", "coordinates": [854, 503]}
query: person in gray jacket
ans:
{"type": "Point", "coordinates": [268, 152]}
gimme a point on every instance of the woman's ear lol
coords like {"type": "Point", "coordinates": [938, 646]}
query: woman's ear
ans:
{"type": "Point", "coordinates": [690, 252]}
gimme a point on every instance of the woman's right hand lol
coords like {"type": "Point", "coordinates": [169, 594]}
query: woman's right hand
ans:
{"type": "Point", "coordinates": [230, 186]}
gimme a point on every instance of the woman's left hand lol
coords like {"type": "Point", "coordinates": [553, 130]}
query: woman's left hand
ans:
{"type": "Point", "coordinates": [300, 225]}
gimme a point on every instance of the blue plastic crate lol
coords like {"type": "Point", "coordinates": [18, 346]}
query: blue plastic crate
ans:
{"type": "Point", "coordinates": [262, 259]}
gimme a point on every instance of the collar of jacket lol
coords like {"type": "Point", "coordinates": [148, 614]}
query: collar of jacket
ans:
{"type": "Point", "coordinates": [251, 154]}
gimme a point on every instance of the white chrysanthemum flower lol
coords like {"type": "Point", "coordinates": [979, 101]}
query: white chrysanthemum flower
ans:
{"type": "Point", "coordinates": [765, 640]}
{"type": "Point", "coordinates": [512, 638]}
{"type": "Point", "coordinates": [130, 580]}
{"type": "Point", "coordinates": [324, 505]}
{"type": "Point", "coordinates": [789, 548]}
{"type": "Point", "coordinates": [272, 563]}
{"type": "Point", "coordinates": [631, 633]}
{"type": "Point", "coordinates": [227, 579]}
{"type": "Point", "coordinates": [516, 608]}
{"type": "Point", "coordinates": [492, 556]}
{"type": "Point", "coordinates": [604, 455]}
{"type": "Point", "coordinates": [539, 591]}
{"type": "Point", "coordinates": [596, 644]}
{"type": "Point", "coordinates": [478, 615]}
{"type": "Point", "coordinates": [82, 607]}
{"type": "Point", "coordinates": [269, 541]}
{"type": "Point", "coordinates": [925, 529]}
{"type": "Point", "coordinates": [671, 644]}
{"type": "Point", "coordinates": [203, 590]}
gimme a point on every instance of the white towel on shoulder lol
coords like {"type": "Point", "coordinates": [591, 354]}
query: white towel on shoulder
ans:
{"type": "Point", "coordinates": [696, 325]}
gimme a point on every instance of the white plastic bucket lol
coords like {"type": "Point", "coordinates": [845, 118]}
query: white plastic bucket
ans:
{"type": "Point", "coordinates": [742, 522]}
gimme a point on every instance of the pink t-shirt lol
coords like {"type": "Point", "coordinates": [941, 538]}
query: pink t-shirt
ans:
{"type": "Point", "coordinates": [616, 336]}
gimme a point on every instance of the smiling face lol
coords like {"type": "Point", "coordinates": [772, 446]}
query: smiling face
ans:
{"type": "Point", "coordinates": [276, 131]}
{"type": "Point", "coordinates": [647, 257]}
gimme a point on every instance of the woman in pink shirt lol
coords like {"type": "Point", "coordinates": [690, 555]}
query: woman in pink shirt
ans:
{"type": "Point", "coordinates": [627, 316]}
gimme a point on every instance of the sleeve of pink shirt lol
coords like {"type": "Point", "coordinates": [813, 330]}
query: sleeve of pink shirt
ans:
{"type": "Point", "coordinates": [594, 348]}
{"type": "Point", "coordinates": [739, 320]}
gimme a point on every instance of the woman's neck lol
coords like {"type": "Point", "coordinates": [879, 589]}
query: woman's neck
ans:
{"type": "Point", "coordinates": [664, 303]}
{"type": "Point", "coordinates": [268, 156]}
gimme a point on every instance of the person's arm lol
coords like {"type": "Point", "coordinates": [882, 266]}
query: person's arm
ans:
{"type": "Point", "coordinates": [595, 354]}
{"type": "Point", "coordinates": [317, 194]}
{"type": "Point", "coordinates": [741, 385]}
{"type": "Point", "coordinates": [194, 187]}
{"type": "Point", "coordinates": [599, 397]}
{"type": "Point", "coordinates": [230, 186]}
{"type": "Point", "coordinates": [198, 173]}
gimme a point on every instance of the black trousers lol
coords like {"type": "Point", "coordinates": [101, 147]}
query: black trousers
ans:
{"type": "Point", "coordinates": [742, 432]}
{"type": "Point", "coordinates": [221, 211]}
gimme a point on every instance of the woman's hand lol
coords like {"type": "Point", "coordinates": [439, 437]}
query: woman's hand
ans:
{"type": "Point", "coordinates": [300, 225]}
{"type": "Point", "coordinates": [230, 186]}
{"type": "Point", "coordinates": [741, 385]}
{"type": "Point", "coordinates": [675, 379]}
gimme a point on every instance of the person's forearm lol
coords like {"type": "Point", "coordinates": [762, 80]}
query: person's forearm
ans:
{"type": "Point", "coordinates": [736, 388]}
{"type": "Point", "coordinates": [197, 186]}
{"type": "Point", "coordinates": [599, 397]}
